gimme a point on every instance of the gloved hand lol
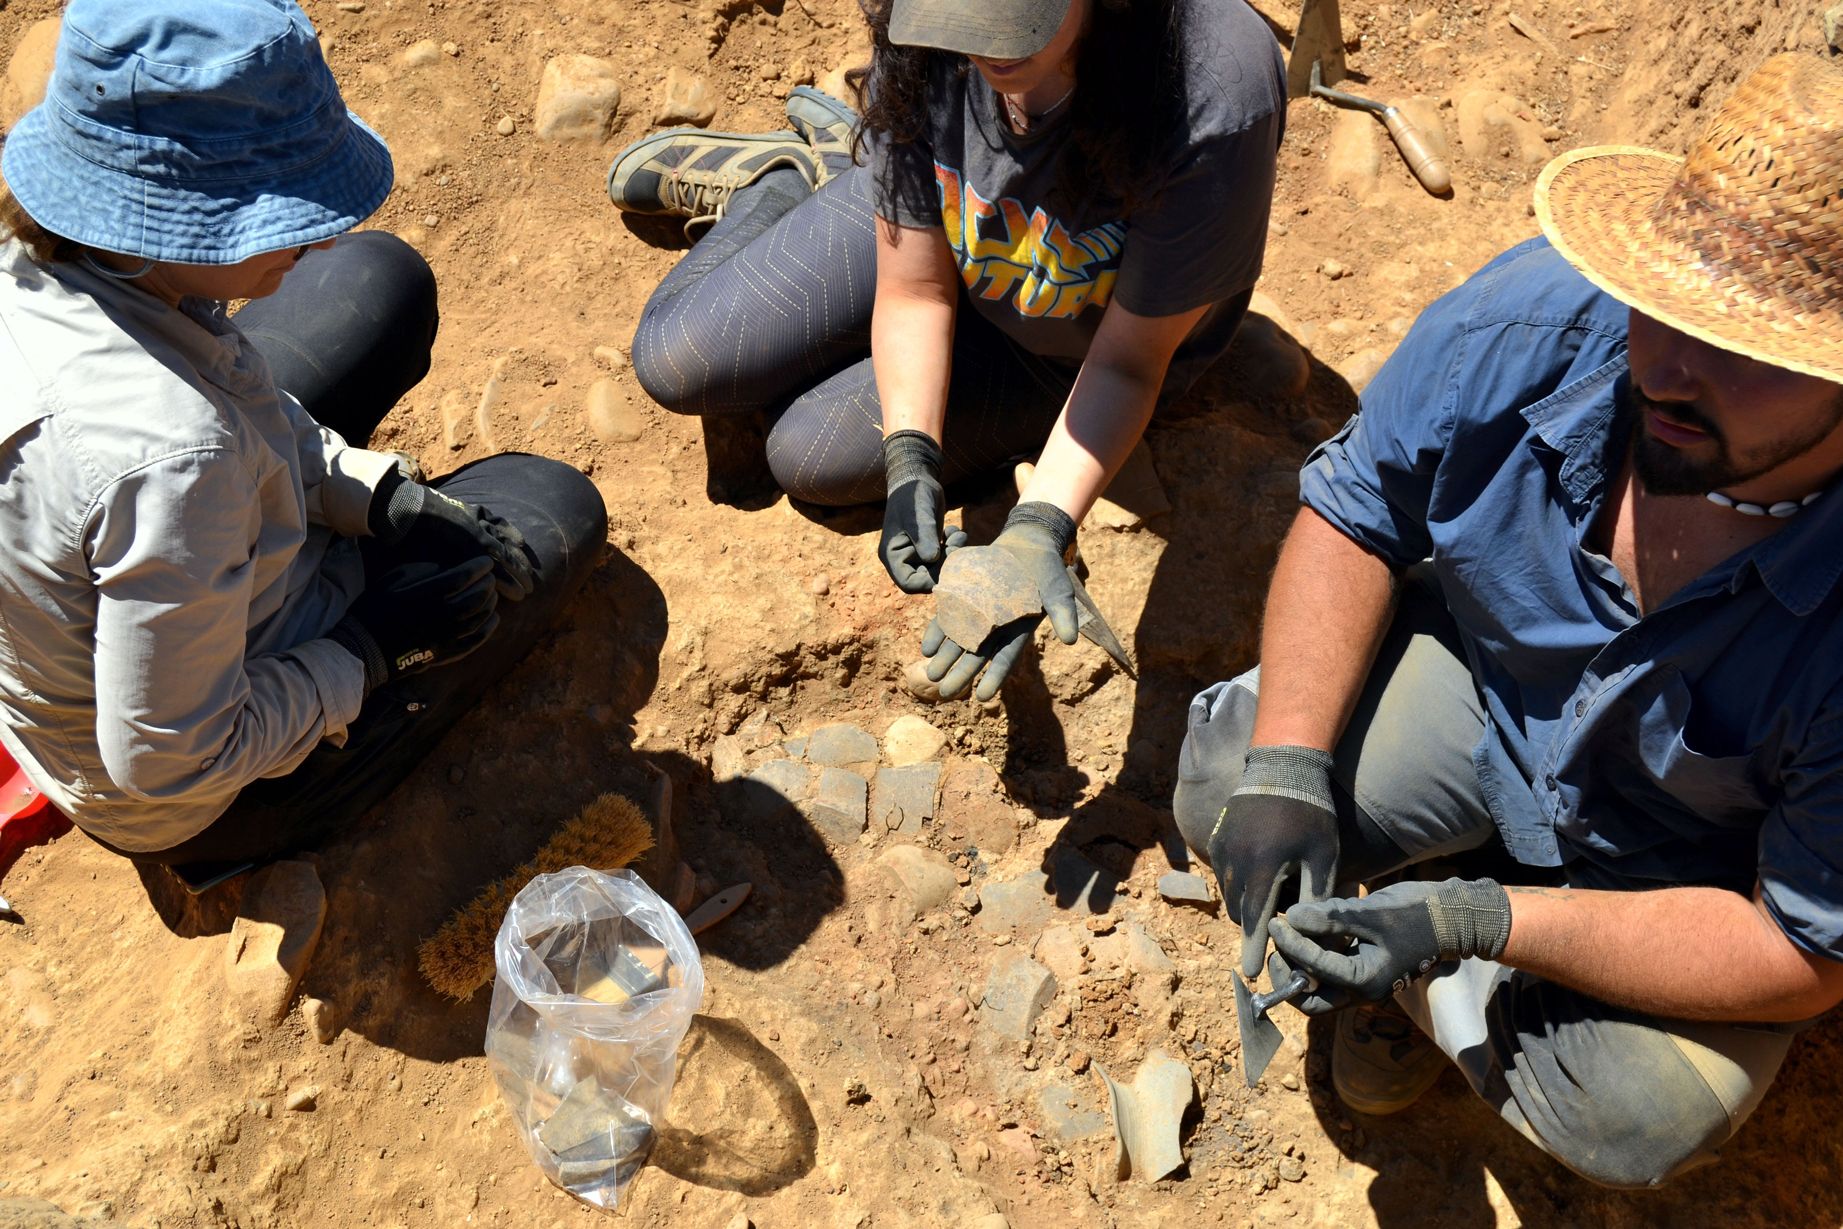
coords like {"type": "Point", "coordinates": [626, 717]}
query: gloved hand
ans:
{"type": "Point", "coordinates": [912, 547]}
{"type": "Point", "coordinates": [402, 510]}
{"type": "Point", "coordinates": [420, 615]}
{"type": "Point", "coordinates": [1373, 947]}
{"type": "Point", "coordinates": [1038, 536]}
{"type": "Point", "coordinates": [1280, 822]}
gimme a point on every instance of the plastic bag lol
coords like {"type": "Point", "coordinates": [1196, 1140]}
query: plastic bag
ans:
{"type": "Point", "coordinates": [597, 982]}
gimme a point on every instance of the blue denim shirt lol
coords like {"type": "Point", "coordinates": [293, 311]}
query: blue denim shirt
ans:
{"type": "Point", "coordinates": [1699, 744]}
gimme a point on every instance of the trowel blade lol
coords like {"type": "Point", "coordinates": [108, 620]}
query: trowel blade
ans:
{"type": "Point", "coordinates": [1319, 37]}
{"type": "Point", "coordinates": [1260, 1037]}
{"type": "Point", "coordinates": [1094, 627]}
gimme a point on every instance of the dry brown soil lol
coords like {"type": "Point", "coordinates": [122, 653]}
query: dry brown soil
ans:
{"type": "Point", "coordinates": [841, 1074]}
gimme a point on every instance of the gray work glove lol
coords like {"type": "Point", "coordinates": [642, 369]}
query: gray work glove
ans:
{"type": "Point", "coordinates": [912, 546]}
{"type": "Point", "coordinates": [1280, 823]}
{"type": "Point", "coordinates": [1371, 948]}
{"type": "Point", "coordinates": [1038, 536]}
{"type": "Point", "coordinates": [448, 531]}
{"type": "Point", "coordinates": [419, 615]}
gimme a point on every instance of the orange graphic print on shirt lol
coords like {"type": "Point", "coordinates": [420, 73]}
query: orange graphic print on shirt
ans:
{"type": "Point", "coordinates": [1031, 259]}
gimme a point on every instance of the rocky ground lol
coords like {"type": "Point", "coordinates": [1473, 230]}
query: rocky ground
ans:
{"type": "Point", "coordinates": [961, 915]}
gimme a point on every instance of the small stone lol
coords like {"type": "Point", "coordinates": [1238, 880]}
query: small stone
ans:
{"type": "Point", "coordinates": [687, 100]}
{"type": "Point", "coordinates": [318, 1014]}
{"type": "Point", "coordinates": [841, 744]}
{"type": "Point", "coordinates": [1184, 888]}
{"type": "Point", "coordinates": [431, 220]}
{"type": "Point", "coordinates": [1061, 950]}
{"type": "Point", "coordinates": [1016, 992]}
{"type": "Point", "coordinates": [916, 681]}
{"type": "Point", "coordinates": [303, 1099]}
{"type": "Point", "coordinates": [277, 928]}
{"type": "Point", "coordinates": [911, 740]}
{"type": "Point", "coordinates": [450, 49]}
{"type": "Point", "coordinates": [1143, 954]}
{"type": "Point", "coordinates": [839, 805]}
{"type": "Point", "coordinates": [423, 54]}
{"type": "Point", "coordinates": [351, 6]}
{"type": "Point", "coordinates": [906, 797]}
{"type": "Point", "coordinates": [1334, 269]}
{"type": "Point", "coordinates": [1290, 1082]}
{"type": "Point", "coordinates": [1291, 1170]}
{"type": "Point", "coordinates": [729, 759]}
{"type": "Point", "coordinates": [1001, 940]}
{"type": "Point", "coordinates": [506, 126]}
{"type": "Point", "coordinates": [819, 585]}
{"type": "Point", "coordinates": [739, 1221]}
{"type": "Point", "coordinates": [856, 1093]}
{"type": "Point", "coordinates": [1021, 903]}
{"type": "Point", "coordinates": [1078, 1061]}
{"type": "Point", "coordinates": [924, 874]}
{"type": "Point", "coordinates": [577, 99]}
{"type": "Point", "coordinates": [1360, 368]}
{"type": "Point", "coordinates": [613, 357]}
{"type": "Point", "coordinates": [613, 418]}
{"type": "Point", "coordinates": [790, 779]}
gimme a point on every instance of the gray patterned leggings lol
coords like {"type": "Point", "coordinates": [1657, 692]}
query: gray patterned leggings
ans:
{"type": "Point", "coordinates": [771, 311]}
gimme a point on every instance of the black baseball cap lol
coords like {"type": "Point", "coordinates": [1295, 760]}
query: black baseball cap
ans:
{"type": "Point", "coordinates": [993, 29]}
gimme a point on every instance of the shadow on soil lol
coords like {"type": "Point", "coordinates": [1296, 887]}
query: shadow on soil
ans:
{"type": "Point", "coordinates": [740, 1122]}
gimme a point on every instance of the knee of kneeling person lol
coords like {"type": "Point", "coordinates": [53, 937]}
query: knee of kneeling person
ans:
{"type": "Point", "coordinates": [1637, 1147]}
{"type": "Point", "coordinates": [665, 380]}
{"type": "Point", "coordinates": [401, 268]}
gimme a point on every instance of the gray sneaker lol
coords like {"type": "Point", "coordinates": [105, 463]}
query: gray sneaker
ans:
{"type": "Point", "coordinates": [692, 174]}
{"type": "Point", "coordinates": [828, 125]}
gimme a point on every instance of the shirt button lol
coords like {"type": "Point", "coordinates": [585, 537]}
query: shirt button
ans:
{"type": "Point", "coordinates": [1580, 708]}
{"type": "Point", "coordinates": [1549, 780]}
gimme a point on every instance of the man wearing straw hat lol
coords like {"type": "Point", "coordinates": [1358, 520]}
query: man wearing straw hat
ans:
{"type": "Point", "coordinates": [1563, 612]}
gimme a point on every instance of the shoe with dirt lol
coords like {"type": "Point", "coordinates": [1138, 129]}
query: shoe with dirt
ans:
{"type": "Point", "coordinates": [1381, 1062]}
{"type": "Point", "coordinates": [828, 124]}
{"type": "Point", "coordinates": [691, 173]}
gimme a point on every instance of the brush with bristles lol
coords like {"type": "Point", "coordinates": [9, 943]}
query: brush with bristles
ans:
{"type": "Point", "coordinates": [610, 833]}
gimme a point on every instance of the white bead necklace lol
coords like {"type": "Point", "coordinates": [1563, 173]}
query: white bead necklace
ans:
{"type": "Point", "coordinates": [1782, 509]}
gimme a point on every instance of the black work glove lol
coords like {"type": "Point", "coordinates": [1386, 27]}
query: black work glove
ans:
{"type": "Point", "coordinates": [420, 615]}
{"type": "Point", "coordinates": [1038, 536]}
{"type": "Point", "coordinates": [1279, 823]}
{"type": "Point", "coordinates": [451, 531]}
{"type": "Point", "coordinates": [1371, 948]}
{"type": "Point", "coordinates": [912, 546]}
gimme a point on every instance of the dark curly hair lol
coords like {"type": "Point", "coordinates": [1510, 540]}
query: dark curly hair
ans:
{"type": "Point", "coordinates": [1128, 113]}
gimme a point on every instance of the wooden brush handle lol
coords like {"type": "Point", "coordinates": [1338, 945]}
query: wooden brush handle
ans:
{"type": "Point", "coordinates": [1417, 153]}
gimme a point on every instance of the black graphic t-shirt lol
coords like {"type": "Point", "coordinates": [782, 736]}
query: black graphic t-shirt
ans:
{"type": "Point", "coordinates": [1044, 277]}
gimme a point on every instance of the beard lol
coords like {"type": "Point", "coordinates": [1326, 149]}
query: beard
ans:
{"type": "Point", "coordinates": [1667, 470]}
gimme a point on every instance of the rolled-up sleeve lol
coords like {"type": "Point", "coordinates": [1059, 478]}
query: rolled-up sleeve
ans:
{"type": "Point", "coordinates": [1801, 845]}
{"type": "Point", "coordinates": [1374, 479]}
{"type": "Point", "coordinates": [338, 479]}
{"type": "Point", "coordinates": [181, 714]}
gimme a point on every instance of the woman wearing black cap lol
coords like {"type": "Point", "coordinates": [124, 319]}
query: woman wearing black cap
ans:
{"type": "Point", "coordinates": [1059, 223]}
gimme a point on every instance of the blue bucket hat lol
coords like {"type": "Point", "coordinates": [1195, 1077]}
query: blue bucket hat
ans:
{"type": "Point", "coordinates": [202, 132]}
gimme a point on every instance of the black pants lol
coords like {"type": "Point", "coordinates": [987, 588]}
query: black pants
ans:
{"type": "Point", "coordinates": [349, 333]}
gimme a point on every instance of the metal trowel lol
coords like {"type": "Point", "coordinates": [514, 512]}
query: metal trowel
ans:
{"type": "Point", "coordinates": [1260, 1036]}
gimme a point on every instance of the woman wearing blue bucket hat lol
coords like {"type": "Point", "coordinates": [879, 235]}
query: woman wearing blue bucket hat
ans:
{"type": "Point", "coordinates": [225, 629]}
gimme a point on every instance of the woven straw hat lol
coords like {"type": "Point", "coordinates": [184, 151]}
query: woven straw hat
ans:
{"type": "Point", "coordinates": [1740, 244]}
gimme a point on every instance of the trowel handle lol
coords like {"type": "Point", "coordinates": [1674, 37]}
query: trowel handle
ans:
{"type": "Point", "coordinates": [1417, 153]}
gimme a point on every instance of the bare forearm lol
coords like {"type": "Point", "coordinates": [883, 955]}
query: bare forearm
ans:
{"type": "Point", "coordinates": [1104, 417]}
{"type": "Point", "coordinates": [911, 347]}
{"type": "Point", "coordinates": [1683, 953]}
{"type": "Point", "coordinates": [1327, 610]}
